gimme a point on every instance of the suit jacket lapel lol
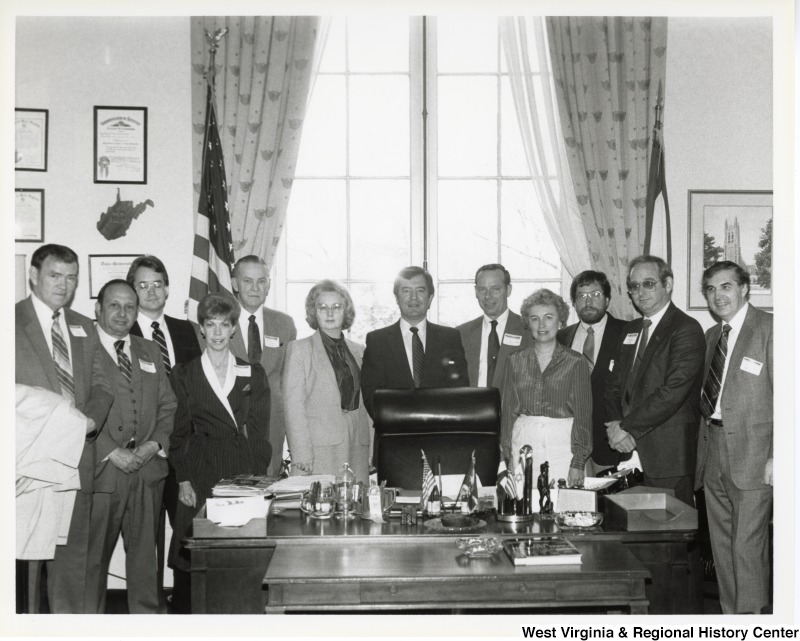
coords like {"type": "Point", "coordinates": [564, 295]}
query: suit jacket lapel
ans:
{"type": "Point", "coordinates": [741, 341]}
{"type": "Point", "coordinates": [472, 345]}
{"type": "Point", "coordinates": [321, 363]}
{"type": "Point", "coordinates": [78, 357]}
{"type": "Point", "coordinates": [663, 328]}
{"type": "Point", "coordinates": [399, 353]}
{"type": "Point", "coordinates": [35, 333]}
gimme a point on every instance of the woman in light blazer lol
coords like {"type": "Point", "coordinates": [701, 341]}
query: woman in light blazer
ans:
{"type": "Point", "coordinates": [326, 422]}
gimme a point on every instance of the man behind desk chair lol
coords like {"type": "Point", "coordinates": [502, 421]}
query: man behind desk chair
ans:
{"type": "Point", "coordinates": [490, 338]}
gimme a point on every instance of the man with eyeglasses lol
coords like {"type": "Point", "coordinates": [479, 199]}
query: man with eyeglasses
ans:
{"type": "Point", "coordinates": [490, 338]}
{"type": "Point", "coordinates": [177, 341]}
{"type": "Point", "coordinates": [595, 336]}
{"type": "Point", "coordinates": [653, 391]}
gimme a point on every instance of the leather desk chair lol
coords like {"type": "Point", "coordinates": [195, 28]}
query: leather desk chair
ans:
{"type": "Point", "coordinates": [447, 423]}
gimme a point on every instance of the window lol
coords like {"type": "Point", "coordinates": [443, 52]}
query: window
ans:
{"type": "Point", "coordinates": [360, 210]}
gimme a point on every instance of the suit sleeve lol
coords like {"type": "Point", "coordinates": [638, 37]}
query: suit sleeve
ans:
{"type": "Point", "coordinates": [258, 419]}
{"type": "Point", "coordinates": [460, 358]}
{"type": "Point", "coordinates": [295, 397]}
{"type": "Point", "coordinates": [101, 396]}
{"type": "Point", "coordinates": [509, 403]}
{"type": "Point", "coordinates": [373, 375]}
{"type": "Point", "coordinates": [581, 437]}
{"type": "Point", "coordinates": [182, 427]}
{"type": "Point", "coordinates": [686, 356]}
{"type": "Point", "coordinates": [614, 385]}
{"type": "Point", "coordinates": [167, 404]}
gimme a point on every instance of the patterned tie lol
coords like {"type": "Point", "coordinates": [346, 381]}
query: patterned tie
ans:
{"type": "Point", "coordinates": [253, 341]}
{"type": "Point", "coordinates": [161, 341]}
{"type": "Point", "coordinates": [61, 359]}
{"type": "Point", "coordinates": [588, 347]}
{"type": "Point", "coordinates": [417, 355]}
{"type": "Point", "coordinates": [638, 360]}
{"type": "Point", "coordinates": [123, 361]}
{"type": "Point", "coordinates": [491, 354]}
{"type": "Point", "coordinates": [713, 382]}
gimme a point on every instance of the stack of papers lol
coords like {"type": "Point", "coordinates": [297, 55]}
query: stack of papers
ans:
{"type": "Point", "coordinates": [243, 485]}
{"type": "Point", "coordinates": [299, 483]}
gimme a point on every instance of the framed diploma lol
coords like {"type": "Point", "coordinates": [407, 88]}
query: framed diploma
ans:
{"type": "Point", "coordinates": [29, 215]}
{"type": "Point", "coordinates": [120, 145]}
{"type": "Point", "coordinates": [106, 267]}
{"type": "Point", "coordinates": [30, 142]}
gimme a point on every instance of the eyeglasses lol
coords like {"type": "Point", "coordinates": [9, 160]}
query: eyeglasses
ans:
{"type": "Point", "coordinates": [156, 284]}
{"type": "Point", "coordinates": [648, 285]}
{"type": "Point", "coordinates": [587, 296]}
{"type": "Point", "coordinates": [323, 309]}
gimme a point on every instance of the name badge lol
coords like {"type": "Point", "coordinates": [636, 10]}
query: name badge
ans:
{"type": "Point", "coordinates": [630, 339]}
{"type": "Point", "coordinates": [77, 331]}
{"type": "Point", "coordinates": [272, 341]}
{"type": "Point", "coordinates": [147, 367]}
{"type": "Point", "coordinates": [241, 370]}
{"type": "Point", "coordinates": [512, 339]}
{"type": "Point", "coordinates": [752, 366]}
{"type": "Point", "coordinates": [611, 365]}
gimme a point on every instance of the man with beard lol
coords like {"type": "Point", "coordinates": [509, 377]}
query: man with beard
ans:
{"type": "Point", "coordinates": [595, 336]}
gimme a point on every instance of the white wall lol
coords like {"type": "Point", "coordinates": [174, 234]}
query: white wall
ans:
{"type": "Point", "coordinates": [70, 64]}
{"type": "Point", "coordinates": [718, 119]}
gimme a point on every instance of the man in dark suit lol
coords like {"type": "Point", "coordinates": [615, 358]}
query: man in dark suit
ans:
{"type": "Point", "coordinates": [412, 352]}
{"type": "Point", "coordinates": [178, 343]}
{"type": "Point", "coordinates": [595, 336]}
{"type": "Point", "coordinates": [57, 349]}
{"type": "Point", "coordinates": [734, 459]}
{"type": "Point", "coordinates": [653, 391]}
{"type": "Point", "coordinates": [262, 338]}
{"type": "Point", "coordinates": [490, 338]}
{"type": "Point", "coordinates": [131, 452]}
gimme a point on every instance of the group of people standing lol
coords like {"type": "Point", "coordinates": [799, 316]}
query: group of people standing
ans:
{"type": "Point", "coordinates": [175, 407]}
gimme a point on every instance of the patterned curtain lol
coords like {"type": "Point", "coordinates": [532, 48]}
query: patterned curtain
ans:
{"type": "Point", "coordinates": [607, 74]}
{"type": "Point", "coordinates": [264, 70]}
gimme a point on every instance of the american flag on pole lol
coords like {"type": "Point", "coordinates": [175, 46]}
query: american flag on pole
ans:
{"type": "Point", "coordinates": [428, 482]}
{"type": "Point", "coordinates": [213, 247]}
{"type": "Point", "coordinates": [506, 480]}
{"type": "Point", "coordinates": [657, 184]}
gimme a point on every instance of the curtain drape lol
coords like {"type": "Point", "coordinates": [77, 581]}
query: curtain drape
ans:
{"type": "Point", "coordinates": [607, 72]}
{"type": "Point", "coordinates": [264, 71]}
{"type": "Point", "coordinates": [525, 49]}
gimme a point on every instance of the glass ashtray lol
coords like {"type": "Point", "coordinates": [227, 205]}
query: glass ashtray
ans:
{"type": "Point", "coordinates": [477, 548]}
{"type": "Point", "coordinates": [578, 520]}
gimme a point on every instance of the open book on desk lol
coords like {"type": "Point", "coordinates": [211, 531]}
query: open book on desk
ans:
{"type": "Point", "coordinates": [541, 551]}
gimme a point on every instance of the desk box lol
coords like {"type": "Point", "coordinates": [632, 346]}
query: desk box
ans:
{"type": "Point", "coordinates": [205, 528]}
{"type": "Point", "coordinates": [641, 511]}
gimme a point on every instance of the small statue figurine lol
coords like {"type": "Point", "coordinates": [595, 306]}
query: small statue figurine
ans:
{"type": "Point", "coordinates": [543, 485]}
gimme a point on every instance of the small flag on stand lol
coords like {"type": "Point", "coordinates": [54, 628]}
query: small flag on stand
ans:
{"type": "Point", "coordinates": [428, 481]}
{"type": "Point", "coordinates": [506, 480]}
{"type": "Point", "coordinates": [469, 486]}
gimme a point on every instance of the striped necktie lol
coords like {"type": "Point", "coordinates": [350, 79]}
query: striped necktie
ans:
{"type": "Point", "coordinates": [161, 341]}
{"type": "Point", "coordinates": [588, 347]}
{"type": "Point", "coordinates": [123, 361]}
{"type": "Point", "coordinates": [417, 355]}
{"type": "Point", "coordinates": [713, 382]}
{"type": "Point", "coordinates": [61, 359]}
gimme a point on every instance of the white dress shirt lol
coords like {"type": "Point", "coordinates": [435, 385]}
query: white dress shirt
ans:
{"type": "Point", "coordinates": [45, 316]}
{"type": "Point", "coordinates": [405, 330]}
{"type": "Point", "coordinates": [145, 324]}
{"type": "Point", "coordinates": [655, 319]}
{"type": "Point", "coordinates": [736, 326]}
{"type": "Point", "coordinates": [581, 334]}
{"type": "Point", "coordinates": [221, 390]}
{"type": "Point", "coordinates": [486, 329]}
{"type": "Point", "coordinates": [107, 341]}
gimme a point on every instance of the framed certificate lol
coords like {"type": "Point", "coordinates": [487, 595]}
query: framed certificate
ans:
{"type": "Point", "coordinates": [120, 145]}
{"type": "Point", "coordinates": [106, 267]}
{"type": "Point", "coordinates": [30, 141]}
{"type": "Point", "coordinates": [29, 215]}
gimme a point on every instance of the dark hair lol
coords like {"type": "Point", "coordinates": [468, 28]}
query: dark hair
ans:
{"type": "Point", "coordinates": [545, 297]}
{"type": "Point", "coordinates": [494, 267]}
{"type": "Point", "coordinates": [664, 270]}
{"type": "Point", "coordinates": [116, 281]}
{"type": "Point", "coordinates": [252, 259]}
{"type": "Point", "coordinates": [407, 273]}
{"type": "Point", "coordinates": [218, 306]}
{"type": "Point", "coordinates": [150, 262]}
{"type": "Point", "coordinates": [741, 274]}
{"type": "Point", "coordinates": [589, 277]}
{"type": "Point", "coordinates": [331, 286]}
{"type": "Point", "coordinates": [61, 253]}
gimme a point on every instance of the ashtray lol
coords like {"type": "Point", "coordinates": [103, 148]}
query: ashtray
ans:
{"type": "Point", "coordinates": [479, 548]}
{"type": "Point", "coordinates": [320, 514]}
{"type": "Point", "coordinates": [578, 520]}
{"type": "Point", "coordinates": [455, 523]}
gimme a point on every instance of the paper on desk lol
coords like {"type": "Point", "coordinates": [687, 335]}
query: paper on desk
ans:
{"type": "Point", "coordinates": [236, 511]}
{"type": "Point", "coordinates": [300, 483]}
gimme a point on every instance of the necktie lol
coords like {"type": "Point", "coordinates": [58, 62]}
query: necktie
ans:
{"type": "Point", "coordinates": [61, 359]}
{"type": "Point", "coordinates": [713, 383]}
{"type": "Point", "coordinates": [122, 360]}
{"type": "Point", "coordinates": [253, 341]}
{"type": "Point", "coordinates": [491, 354]}
{"type": "Point", "coordinates": [588, 347]}
{"type": "Point", "coordinates": [638, 360]}
{"type": "Point", "coordinates": [417, 355]}
{"type": "Point", "coordinates": [161, 341]}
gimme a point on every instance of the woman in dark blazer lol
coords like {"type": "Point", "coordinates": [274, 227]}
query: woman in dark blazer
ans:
{"type": "Point", "coordinates": [222, 420]}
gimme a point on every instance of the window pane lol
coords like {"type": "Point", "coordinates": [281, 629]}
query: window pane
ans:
{"type": "Point", "coordinates": [379, 121]}
{"type": "Point", "coordinates": [527, 250]}
{"type": "Point", "coordinates": [512, 152]}
{"type": "Point", "coordinates": [322, 149]}
{"type": "Point", "coordinates": [521, 290]}
{"type": "Point", "coordinates": [316, 230]}
{"type": "Point", "coordinates": [378, 43]}
{"type": "Point", "coordinates": [333, 56]}
{"type": "Point", "coordinates": [467, 227]}
{"type": "Point", "coordinates": [380, 221]}
{"type": "Point", "coordinates": [467, 43]}
{"type": "Point", "coordinates": [457, 302]}
{"type": "Point", "coordinates": [467, 143]}
{"type": "Point", "coordinates": [296, 306]}
{"type": "Point", "coordinates": [375, 308]}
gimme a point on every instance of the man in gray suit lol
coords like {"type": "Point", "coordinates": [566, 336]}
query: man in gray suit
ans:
{"type": "Point", "coordinates": [262, 338]}
{"type": "Point", "coordinates": [57, 349]}
{"type": "Point", "coordinates": [734, 459]}
{"type": "Point", "coordinates": [490, 338]}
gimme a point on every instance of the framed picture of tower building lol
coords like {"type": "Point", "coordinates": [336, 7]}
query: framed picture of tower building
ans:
{"type": "Point", "coordinates": [735, 226]}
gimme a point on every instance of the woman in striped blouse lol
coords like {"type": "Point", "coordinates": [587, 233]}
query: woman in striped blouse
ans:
{"type": "Point", "coordinates": [547, 395]}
